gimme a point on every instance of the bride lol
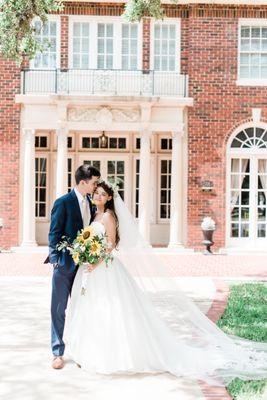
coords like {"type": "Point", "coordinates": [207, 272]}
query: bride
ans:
{"type": "Point", "coordinates": [132, 318]}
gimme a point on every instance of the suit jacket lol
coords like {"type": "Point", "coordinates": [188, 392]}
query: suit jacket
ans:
{"type": "Point", "coordinates": [66, 220]}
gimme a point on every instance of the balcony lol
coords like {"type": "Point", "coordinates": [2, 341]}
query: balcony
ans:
{"type": "Point", "coordinates": [104, 82]}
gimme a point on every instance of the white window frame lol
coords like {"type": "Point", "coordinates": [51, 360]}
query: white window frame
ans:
{"type": "Point", "coordinates": [103, 150]}
{"type": "Point", "coordinates": [251, 154]}
{"type": "Point", "coordinates": [159, 159]}
{"type": "Point", "coordinates": [46, 155]}
{"type": "Point", "coordinates": [163, 136]}
{"type": "Point", "coordinates": [43, 134]}
{"type": "Point", "coordinates": [117, 39]}
{"type": "Point", "coordinates": [248, 22]}
{"type": "Point", "coordinates": [58, 46]}
{"type": "Point", "coordinates": [167, 21]}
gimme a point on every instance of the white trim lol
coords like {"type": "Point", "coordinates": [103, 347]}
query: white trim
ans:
{"type": "Point", "coordinates": [51, 17]}
{"type": "Point", "coordinates": [167, 21]}
{"type": "Point", "coordinates": [238, 151]}
{"type": "Point", "coordinates": [93, 20]}
{"type": "Point", "coordinates": [248, 22]}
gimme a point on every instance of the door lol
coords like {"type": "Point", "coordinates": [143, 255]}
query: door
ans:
{"type": "Point", "coordinates": [113, 168]}
{"type": "Point", "coordinates": [247, 208]}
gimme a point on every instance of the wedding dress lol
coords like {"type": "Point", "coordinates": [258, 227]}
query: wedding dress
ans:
{"type": "Point", "coordinates": [133, 319]}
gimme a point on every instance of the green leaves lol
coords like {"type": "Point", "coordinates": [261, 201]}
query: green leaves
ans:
{"type": "Point", "coordinates": [136, 9]}
{"type": "Point", "coordinates": [17, 33]}
{"type": "Point", "coordinates": [246, 316]}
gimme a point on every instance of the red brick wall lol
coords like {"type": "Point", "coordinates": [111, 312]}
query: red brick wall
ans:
{"type": "Point", "coordinates": [219, 105]}
{"type": "Point", "coordinates": [64, 46]}
{"type": "Point", "coordinates": [9, 153]}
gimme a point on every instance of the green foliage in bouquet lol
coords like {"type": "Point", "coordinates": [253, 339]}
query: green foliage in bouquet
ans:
{"type": "Point", "coordinates": [17, 33]}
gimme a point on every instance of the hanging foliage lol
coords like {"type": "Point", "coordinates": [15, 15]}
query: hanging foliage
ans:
{"type": "Point", "coordinates": [17, 33]}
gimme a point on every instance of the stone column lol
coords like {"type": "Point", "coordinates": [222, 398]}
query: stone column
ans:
{"type": "Point", "coordinates": [144, 189]}
{"type": "Point", "coordinates": [176, 191]}
{"type": "Point", "coordinates": [62, 163]}
{"type": "Point", "coordinates": [28, 208]}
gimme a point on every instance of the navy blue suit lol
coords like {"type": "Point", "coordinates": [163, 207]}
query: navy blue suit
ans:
{"type": "Point", "coordinates": [66, 220]}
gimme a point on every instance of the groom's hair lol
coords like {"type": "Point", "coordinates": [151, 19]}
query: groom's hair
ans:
{"type": "Point", "coordinates": [85, 172]}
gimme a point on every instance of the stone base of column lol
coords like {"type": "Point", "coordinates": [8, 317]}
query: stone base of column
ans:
{"type": "Point", "coordinates": [28, 243]}
{"type": "Point", "coordinates": [175, 246]}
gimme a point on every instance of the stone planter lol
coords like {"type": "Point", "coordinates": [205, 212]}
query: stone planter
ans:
{"type": "Point", "coordinates": [208, 242]}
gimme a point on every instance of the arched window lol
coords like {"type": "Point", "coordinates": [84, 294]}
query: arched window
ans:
{"type": "Point", "coordinates": [250, 137]}
{"type": "Point", "coordinates": [247, 187]}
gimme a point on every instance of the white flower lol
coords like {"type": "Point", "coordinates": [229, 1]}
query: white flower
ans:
{"type": "Point", "coordinates": [208, 224]}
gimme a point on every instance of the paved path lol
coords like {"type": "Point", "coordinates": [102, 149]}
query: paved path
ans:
{"type": "Point", "coordinates": [25, 354]}
{"type": "Point", "coordinates": [25, 330]}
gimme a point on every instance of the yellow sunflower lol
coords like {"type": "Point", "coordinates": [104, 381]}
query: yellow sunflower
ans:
{"type": "Point", "coordinates": [95, 248]}
{"type": "Point", "coordinates": [88, 233]}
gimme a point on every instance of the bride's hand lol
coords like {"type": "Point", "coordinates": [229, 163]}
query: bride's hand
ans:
{"type": "Point", "coordinates": [91, 267]}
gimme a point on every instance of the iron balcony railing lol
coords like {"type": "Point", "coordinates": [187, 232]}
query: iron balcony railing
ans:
{"type": "Point", "coordinates": [100, 81]}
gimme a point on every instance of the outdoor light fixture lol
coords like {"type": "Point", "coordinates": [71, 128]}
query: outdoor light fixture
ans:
{"type": "Point", "coordinates": [103, 141]}
{"type": "Point", "coordinates": [207, 186]}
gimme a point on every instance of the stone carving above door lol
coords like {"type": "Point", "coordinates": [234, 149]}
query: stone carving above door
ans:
{"type": "Point", "coordinates": [103, 115]}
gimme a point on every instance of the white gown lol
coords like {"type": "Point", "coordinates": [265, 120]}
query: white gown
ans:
{"type": "Point", "coordinates": [115, 328]}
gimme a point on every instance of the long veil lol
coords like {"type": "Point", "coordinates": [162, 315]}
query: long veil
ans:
{"type": "Point", "coordinates": [220, 357]}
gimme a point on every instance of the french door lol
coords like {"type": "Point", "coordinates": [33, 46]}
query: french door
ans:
{"type": "Point", "coordinates": [247, 202]}
{"type": "Point", "coordinates": [112, 168]}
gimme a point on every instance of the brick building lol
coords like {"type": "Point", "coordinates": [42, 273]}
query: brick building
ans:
{"type": "Point", "coordinates": [174, 109]}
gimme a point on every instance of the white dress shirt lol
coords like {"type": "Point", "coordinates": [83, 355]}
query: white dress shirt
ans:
{"type": "Point", "coordinates": [80, 200]}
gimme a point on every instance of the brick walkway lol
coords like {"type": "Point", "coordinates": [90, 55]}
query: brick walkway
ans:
{"type": "Point", "coordinates": [192, 265]}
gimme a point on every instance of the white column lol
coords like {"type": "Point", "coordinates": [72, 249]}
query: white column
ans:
{"type": "Point", "coordinates": [176, 191]}
{"type": "Point", "coordinates": [28, 209]}
{"type": "Point", "coordinates": [144, 189]}
{"type": "Point", "coordinates": [62, 163]}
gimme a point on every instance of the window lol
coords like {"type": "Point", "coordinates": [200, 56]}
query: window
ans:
{"type": "Point", "coordinates": [113, 143]}
{"type": "Point", "coordinates": [80, 43]}
{"type": "Point", "coordinates": [253, 52]}
{"type": "Point", "coordinates": [165, 46]}
{"type": "Point", "coordinates": [105, 46]}
{"type": "Point", "coordinates": [41, 142]}
{"type": "Point", "coordinates": [137, 185]}
{"type": "Point", "coordinates": [165, 189]}
{"type": "Point", "coordinates": [46, 35]}
{"type": "Point", "coordinates": [40, 186]}
{"type": "Point", "coordinates": [129, 48]}
{"type": "Point", "coordinates": [69, 174]}
{"type": "Point", "coordinates": [101, 42]}
{"type": "Point", "coordinates": [165, 144]}
{"type": "Point", "coordinates": [116, 173]}
{"type": "Point", "coordinates": [250, 137]}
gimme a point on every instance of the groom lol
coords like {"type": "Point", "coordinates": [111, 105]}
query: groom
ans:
{"type": "Point", "coordinates": [70, 213]}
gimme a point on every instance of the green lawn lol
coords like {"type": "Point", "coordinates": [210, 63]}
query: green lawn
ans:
{"type": "Point", "coordinates": [246, 316]}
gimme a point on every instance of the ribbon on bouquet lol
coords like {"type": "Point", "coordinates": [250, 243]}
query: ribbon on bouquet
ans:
{"type": "Point", "coordinates": [84, 278]}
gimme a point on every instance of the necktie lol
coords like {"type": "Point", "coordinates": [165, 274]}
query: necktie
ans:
{"type": "Point", "coordinates": [85, 212]}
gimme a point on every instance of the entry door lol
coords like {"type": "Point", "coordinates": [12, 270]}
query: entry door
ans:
{"type": "Point", "coordinates": [247, 209]}
{"type": "Point", "coordinates": [112, 168]}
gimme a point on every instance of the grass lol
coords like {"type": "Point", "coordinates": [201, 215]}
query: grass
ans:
{"type": "Point", "coordinates": [246, 316]}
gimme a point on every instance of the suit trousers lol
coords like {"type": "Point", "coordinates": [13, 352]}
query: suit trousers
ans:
{"type": "Point", "coordinates": [61, 290]}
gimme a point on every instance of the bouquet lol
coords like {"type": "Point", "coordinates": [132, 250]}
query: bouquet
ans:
{"type": "Point", "coordinates": [87, 248]}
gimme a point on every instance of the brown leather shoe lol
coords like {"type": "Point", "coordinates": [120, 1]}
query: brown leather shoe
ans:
{"type": "Point", "coordinates": [78, 365]}
{"type": "Point", "coordinates": [58, 362]}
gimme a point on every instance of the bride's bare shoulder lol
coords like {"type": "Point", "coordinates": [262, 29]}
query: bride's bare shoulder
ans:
{"type": "Point", "coordinates": [108, 217]}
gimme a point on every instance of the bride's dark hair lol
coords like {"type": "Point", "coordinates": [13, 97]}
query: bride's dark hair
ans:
{"type": "Point", "coordinates": [110, 206]}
